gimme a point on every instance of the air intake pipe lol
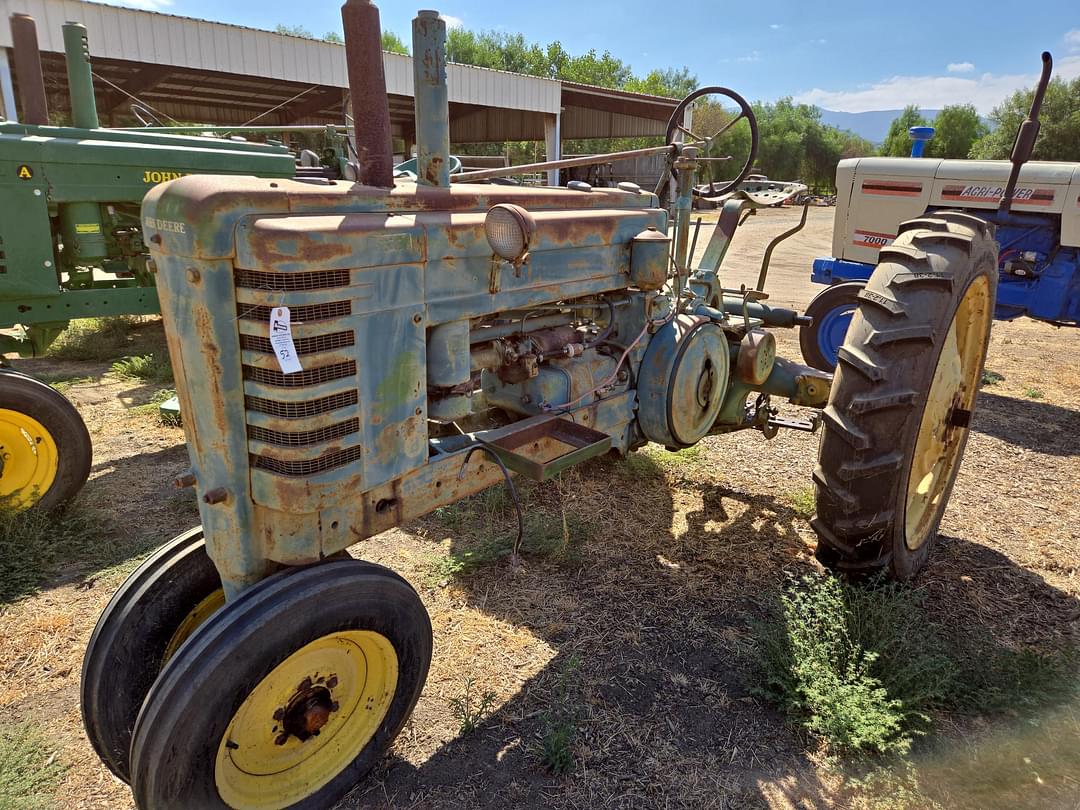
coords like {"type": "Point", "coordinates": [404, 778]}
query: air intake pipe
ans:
{"type": "Point", "coordinates": [80, 79]}
{"type": "Point", "coordinates": [431, 100]}
{"type": "Point", "coordinates": [367, 88]}
{"type": "Point", "coordinates": [35, 105]}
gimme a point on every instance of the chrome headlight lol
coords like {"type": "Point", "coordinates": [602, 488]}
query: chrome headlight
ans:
{"type": "Point", "coordinates": [509, 229]}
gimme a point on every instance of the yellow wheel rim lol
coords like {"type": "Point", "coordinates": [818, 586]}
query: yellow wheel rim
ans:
{"type": "Point", "coordinates": [29, 459]}
{"type": "Point", "coordinates": [306, 721]}
{"type": "Point", "coordinates": [199, 614]}
{"type": "Point", "coordinates": [943, 428]}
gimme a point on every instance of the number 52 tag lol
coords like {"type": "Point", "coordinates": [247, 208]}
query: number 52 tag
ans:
{"type": "Point", "coordinates": [281, 340]}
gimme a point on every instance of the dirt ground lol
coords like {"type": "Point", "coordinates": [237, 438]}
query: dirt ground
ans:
{"type": "Point", "coordinates": [642, 638]}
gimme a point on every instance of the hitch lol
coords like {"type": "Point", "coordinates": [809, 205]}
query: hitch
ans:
{"type": "Point", "coordinates": [809, 425]}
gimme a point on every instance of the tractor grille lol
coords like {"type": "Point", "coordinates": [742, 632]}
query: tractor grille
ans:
{"type": "Point", "coordinates": [300, 410]}
{"type": "Point", "coordinates": [291, 282]}
{"type": "Point", "coordinates": [297, 314]}
{"type": "Point", "coordinates": [330, 461]}
{"type": "Point", "coordinates": [301, 379]}
{"type": "Point", "coordinates": [320, 424]}
{"type": "Point", "coordinates": [304, 438]}
{"type": "Point", "coordinates": [304, 345]}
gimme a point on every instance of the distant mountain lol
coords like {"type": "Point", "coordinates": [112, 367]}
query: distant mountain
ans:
{"type": "Point", "coordinates": [872, 125]}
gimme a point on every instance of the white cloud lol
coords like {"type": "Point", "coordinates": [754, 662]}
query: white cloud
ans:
{"type": "Point", "coordinates": [960, 67]}
{"type": "Point", "coordinates": [144, 5]}
{"type": "Point", "coordinates": [753, 56]}
{"type": "Point", "coordinates": [775, 26]}
{"type": "Point", "coordinates": [933, 92]}
{"type": "Point", "coordinates": [452, 21]}
{"type": "Point", "coordinates": [1072, 39]}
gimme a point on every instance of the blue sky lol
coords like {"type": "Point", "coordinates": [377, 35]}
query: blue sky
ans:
{"type": "Point", "coordinates": [842, 56]}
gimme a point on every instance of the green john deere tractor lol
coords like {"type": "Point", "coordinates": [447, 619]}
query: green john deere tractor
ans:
{"type": "Point", "coordinates": [71, 244]}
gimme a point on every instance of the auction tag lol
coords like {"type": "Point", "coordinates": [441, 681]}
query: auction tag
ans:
{"type": "Point", "coordinates": [282, 342]}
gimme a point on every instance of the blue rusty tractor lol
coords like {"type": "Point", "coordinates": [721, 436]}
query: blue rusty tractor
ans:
{"type": "Point", "coordinates": [350, 356]}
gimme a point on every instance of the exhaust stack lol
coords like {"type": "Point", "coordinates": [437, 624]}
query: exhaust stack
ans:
{"type": "Point", "coordinates": [367, 88]}
{"type": "Point", "coordinates": [35, 104]}
{"type": "Point", "coordinates": [431, 100]}
{"type": "Point", "coordinates": [80, 79]}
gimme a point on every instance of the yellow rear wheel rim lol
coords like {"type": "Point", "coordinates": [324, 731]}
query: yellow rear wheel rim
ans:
{"type": "Point", "coordinates": [341, 686]}
{"type": "Point", "coordinates": [953, 388]}
{"type": "Point", "coordinates": [29, 459]}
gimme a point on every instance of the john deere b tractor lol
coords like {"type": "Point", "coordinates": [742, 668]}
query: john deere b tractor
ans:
{"type": "Point", "coordinates": [1038, 232]}
{"type": "Point", "coordinates": [351, 356]}
{"type": "Point", "coordinates": [71, 246]}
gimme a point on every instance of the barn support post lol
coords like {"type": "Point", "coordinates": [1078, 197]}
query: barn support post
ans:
{"type": "Point", "coordinates": [553, 144]}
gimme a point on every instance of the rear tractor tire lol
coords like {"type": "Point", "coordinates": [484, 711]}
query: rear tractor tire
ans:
{"type": "Point", "coordinates": [45, 448]}
{"type": "Point", "coordinates": [902, 399]}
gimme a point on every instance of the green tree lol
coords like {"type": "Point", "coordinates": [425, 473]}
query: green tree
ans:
{"type": "Point", "coordinates": [334, 36]}
{"type": "Point", "coordinates": [898, 142]}
{"type": "Point", "coordinates": [293, 31]}
{"type": "Point", "coordinates": [670, 83]}
{"type": "Point", "coordinates": [956, 128]}
{"type": "Point", "coordinates": [393, 43]}
{"type": "Point", "coordinates": [1059, 134]}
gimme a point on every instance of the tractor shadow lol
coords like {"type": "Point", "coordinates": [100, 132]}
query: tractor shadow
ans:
{"type": "Point", "coordinates": [650, 625]}
{"type": "Point", "coordinates": [128, 508]}
{"type": "Point", "coordinates": [1039, 426]}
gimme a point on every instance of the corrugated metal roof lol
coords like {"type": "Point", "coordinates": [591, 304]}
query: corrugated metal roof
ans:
{"type": "Point", "coordinates": [146, 36]}
{"type": "Point", "coordinates": [217, 72]}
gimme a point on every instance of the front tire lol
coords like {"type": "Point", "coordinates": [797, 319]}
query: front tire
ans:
{"type": "Point", "coordinates": [45, 448]}
{"type": "Point", "coordinates": [899, 413]}
{"type": "Point", "coordinates": [831, 309]}
{"type": "Point", "coordinates": [288, 696]}
{"type": "Point", "coordinates": [156, 609]}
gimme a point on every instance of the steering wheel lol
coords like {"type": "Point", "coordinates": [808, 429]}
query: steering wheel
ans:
{"type": "Point", "coordinates": [745, 111]}
{"type": "Point", "coordinates": [145, 115]}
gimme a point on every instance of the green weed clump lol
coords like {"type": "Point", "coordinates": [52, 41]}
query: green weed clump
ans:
{"type": "Point", "coordinates": [804, 501]}
{"type": "Point", "coordinates": [486, 525]}
{"type": "Point", "coordinates": [560, 722]}
{"type": "Point", "coordinates": [95, 339]}
{"type": "Point", "coordinates": [29, 770]}
{"type": "Point", "coordinates": [864, 668]}
{"type": "Point", "coordinates": [146, 367]}
{"type": "Point", "coordinates": [819, 671]}
{"type": "Point", "coordinates": [35, 543]}
{"type": "Point", "coordinates": [153, 408]}
{"type": "Point", "coordinates": [469, 710]}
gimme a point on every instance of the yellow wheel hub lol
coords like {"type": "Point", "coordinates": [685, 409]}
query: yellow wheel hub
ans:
{"type": "Point", "coordinates": [306, 721]}
{"type": "Point", "coordinates": [29, 459]}
{"type": "Point", "coordinates": [199, 614]}
{"type": "Point", "coordinates": [948, 407]}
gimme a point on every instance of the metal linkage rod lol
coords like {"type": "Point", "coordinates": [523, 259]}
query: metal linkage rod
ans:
{"type": "Point", "coordinates": [584, 160]}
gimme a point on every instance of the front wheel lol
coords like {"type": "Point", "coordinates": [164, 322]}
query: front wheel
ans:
{"type": "Point", "coordinates": [44, 445]}
{"type": "Point", "coordinates": [152, 614]}
{"type": "Point", "coordinates": [288, 695]}
{"type": "Point", "coordinates": [902, 399]}
{"type": "Point", "coordinates": [831, 310]}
